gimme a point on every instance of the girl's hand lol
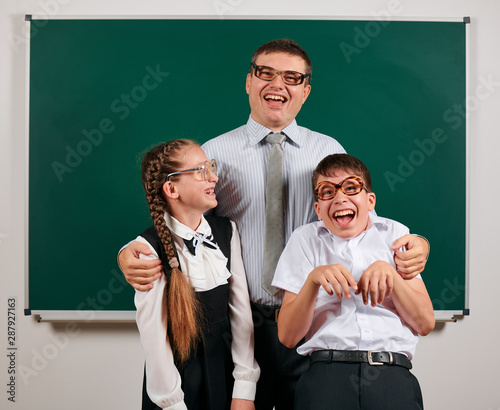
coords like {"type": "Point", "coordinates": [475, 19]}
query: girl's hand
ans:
{"type": "Point", "coordinates": [242, 404]}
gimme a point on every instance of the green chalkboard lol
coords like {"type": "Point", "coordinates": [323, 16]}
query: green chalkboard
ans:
{"type": "Point", "coordinates": [101, 92]}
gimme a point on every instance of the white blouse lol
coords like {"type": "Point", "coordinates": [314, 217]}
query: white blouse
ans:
{"type": "Point", "coordinates": [205, 271]}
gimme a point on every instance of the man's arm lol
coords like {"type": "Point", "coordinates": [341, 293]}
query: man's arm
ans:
{"type": "Point", "coordinates": [139, 273]}
{"type": "Point", "coordinates": [297, 310]}
{"type": "Point", "coordinates": [412, 262]}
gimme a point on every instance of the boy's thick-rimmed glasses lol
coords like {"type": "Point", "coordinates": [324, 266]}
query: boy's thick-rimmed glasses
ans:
{"type": "Point", "coordinates": [269, 74]}
{"type": "Point", "coordinates": [326, 190]}
{"type": "Point", "coordinates": [208, 169]}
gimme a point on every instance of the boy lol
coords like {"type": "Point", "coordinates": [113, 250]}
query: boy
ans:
{"type": "Point", "coordinates": [347, 334]}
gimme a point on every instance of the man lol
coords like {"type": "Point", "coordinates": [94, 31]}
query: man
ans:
{"type": "Point", "coordinates": [278, 84]}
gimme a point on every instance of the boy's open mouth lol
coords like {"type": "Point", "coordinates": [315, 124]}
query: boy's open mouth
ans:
{"type": "Point", "coordinates": [344, 217]}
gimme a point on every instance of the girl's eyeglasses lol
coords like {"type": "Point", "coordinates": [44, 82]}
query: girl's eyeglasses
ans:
{"type": "Point", "coordinates": [208, 169]}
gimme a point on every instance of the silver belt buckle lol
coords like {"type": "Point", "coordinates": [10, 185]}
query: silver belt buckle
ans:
{"type": "Point", "coordinates": [373, 363]}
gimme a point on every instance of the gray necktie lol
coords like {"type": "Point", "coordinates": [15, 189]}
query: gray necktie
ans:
{"type": "Point", "coordinates": [274, 211]}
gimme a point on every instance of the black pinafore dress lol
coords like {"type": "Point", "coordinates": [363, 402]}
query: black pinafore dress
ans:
{"type": "Point", "coordinates": [207, 380]}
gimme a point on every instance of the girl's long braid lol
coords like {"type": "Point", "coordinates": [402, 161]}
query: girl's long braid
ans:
{"type": "Point", "coordinates": [183, 309]}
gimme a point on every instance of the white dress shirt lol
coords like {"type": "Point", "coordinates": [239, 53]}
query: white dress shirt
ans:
{"type": "Point", "coordinates": [242, 156]}
{"type": "Point", "coordinates": [205, 271]}
{"type": "Point", "coordinates": [346, 324]}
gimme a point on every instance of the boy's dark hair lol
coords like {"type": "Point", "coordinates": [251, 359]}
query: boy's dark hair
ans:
{"type": "Point", "coordinates": [284, 45]}
{"type": "Point", "coordinates": [342, 162]}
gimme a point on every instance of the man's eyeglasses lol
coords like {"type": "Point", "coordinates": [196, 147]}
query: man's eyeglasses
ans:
{"type": "Point", "coordinates": [269, 74]}
{"type": "Point", "coordinates": [208, 169]}
{"type": "Point", "coordinates": [326, 190]}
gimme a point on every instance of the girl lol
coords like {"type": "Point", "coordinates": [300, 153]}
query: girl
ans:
{"type": "Point", "coordinates": [195, 323]}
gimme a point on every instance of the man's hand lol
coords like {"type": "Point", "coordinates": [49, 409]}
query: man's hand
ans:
{"type": "Point", "coordinates": [377, 281]}
{"type": "Point", "coordinates": [335, 277]}
{"type": "Point", "coordinates": [139, 273]}
{"type": "Point", "coordinates": [412, 262]}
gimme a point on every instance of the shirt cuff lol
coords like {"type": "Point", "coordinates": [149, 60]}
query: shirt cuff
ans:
{"type": "Point", "coordinates": [177, 406]}
{"type": "Point", "coordinates": [244, 389]}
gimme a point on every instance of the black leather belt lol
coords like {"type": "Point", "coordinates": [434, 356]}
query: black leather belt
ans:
{"type": "Point", "coordinates": [373, 357]}
{"type": "Point", "coordinates": [267, 312]}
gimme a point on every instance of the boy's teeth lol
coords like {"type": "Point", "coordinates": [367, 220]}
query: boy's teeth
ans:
{"type": "Point", "coordinates": [343, 213]}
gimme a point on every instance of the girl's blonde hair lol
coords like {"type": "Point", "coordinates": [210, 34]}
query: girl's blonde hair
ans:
{"type": "Point", "coordinates": [183, 308]}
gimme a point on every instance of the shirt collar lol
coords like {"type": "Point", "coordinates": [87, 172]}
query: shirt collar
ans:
{"type": "Point", "coordinates": [185, 232]}
{"type": "Point", "coordinates": [257, 132]}
{"type": "Point", "coordinates": [377, 220]}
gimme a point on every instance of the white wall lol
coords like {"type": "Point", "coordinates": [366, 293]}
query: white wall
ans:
{"type": "Point", "coordinates": [97, 366]}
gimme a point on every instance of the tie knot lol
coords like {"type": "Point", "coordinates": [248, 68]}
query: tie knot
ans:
{"type": "Point", "coordinates": [275, 138]}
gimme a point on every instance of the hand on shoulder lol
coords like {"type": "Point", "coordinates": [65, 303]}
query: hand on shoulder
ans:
{"type": "Point", "coordinates": [140, 273]}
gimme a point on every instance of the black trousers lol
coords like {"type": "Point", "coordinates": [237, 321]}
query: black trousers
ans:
{"type": "Point", "coordinates": [280, 367]}
{"type": "Point", "coordinates": [357, 386]}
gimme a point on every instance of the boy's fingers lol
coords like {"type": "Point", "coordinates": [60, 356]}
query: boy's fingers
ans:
{"type": "Point", "coordinates": [337, 289]}
{"type": "Point", "coordinates": [326, 285]}
{"type": "Point", "coordinates": [346, 280]}
{"type": "Point", "coordinates": [370, 294]}
{"type": "Point", "coordinates": [338, 279]}
{"type": "Point", "coordinates": [345, 289]}
{"type": "Point", "coordinates": [349, 278]}
{"type": "Point", "coordinates": [381, 292]}
{"type": "Point", "coordinates": [373, 295]}
{"type": "Point", "coordinates": [390, 287]}
{"type": "Point", "coordinates": [364, 294]}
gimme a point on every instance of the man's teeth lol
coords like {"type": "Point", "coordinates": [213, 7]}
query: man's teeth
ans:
{"type": "Point", "coordinates": [274, 97]}
{"type": "Point", "coordinates": [209, 191]}
{"type": "Point", "coordinates": [344, 213]}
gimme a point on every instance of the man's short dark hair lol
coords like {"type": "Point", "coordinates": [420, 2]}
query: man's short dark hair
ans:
{"type": "Point", "coordinates": [285, 45]}
{"type": "Point", "coordinates": [329, 165]}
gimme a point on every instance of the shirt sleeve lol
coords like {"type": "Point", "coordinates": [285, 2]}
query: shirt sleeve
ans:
{"type": "Point", "coordinates": [246, 370]}
{"type": "Point", "coordinates": [296, 261]}
{"type": "Point", "coordinates": [163, 379]}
